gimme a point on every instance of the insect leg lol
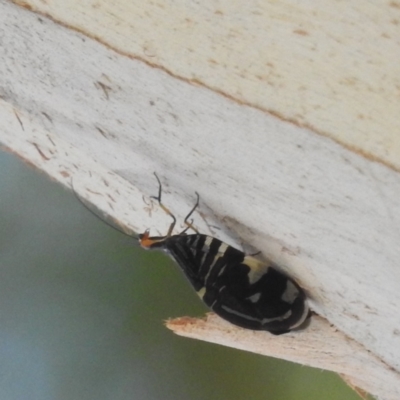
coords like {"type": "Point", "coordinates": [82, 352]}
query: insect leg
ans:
{"type": "Point", "coordinates": [189, 224]}
{"type": "Point", "coordinates": [166, 210]}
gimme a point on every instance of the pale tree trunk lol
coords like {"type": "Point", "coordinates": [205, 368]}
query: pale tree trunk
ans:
{"type": "Point", "coordinates": [283, 116]}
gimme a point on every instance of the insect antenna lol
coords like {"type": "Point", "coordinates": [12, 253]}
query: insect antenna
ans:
{"type": "Point", "coordinates": [98, 216]}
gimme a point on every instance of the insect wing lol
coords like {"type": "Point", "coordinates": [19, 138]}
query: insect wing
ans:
{"type": "Point", "coordinates": [239, 288]}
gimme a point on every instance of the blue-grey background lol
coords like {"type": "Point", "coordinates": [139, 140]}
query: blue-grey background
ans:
{"type": "Point", "coordinates": [82, 311]}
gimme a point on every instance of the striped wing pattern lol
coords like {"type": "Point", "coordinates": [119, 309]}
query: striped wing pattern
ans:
{"type": "Point", "coordinates": [237, 287]}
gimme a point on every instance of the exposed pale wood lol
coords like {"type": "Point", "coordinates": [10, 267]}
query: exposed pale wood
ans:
{"type": "Point", "coordinates": [81, 112]}
{"type": "Point", "coordinates": [331, 65]}
{"type": "Point", "coordinates": [361, 392]}
{"type": "Point", "coordinates": [321, 346]}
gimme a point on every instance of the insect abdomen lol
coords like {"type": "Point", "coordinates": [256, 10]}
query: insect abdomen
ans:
{"type": "Point", "coordinates": [237, 287]}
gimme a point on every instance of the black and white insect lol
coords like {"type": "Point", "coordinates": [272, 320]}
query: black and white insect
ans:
{"type": "Point", "coordinates": [237, 287]}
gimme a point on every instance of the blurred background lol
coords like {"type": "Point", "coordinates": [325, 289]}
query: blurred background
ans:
{"type": "Point", "coordinates": [82, 310]}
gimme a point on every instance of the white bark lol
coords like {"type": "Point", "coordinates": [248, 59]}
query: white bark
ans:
{"type": "Point", "coordinates": [320, 346]}
{"type": "Point", "coordinates": [329, 216]}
